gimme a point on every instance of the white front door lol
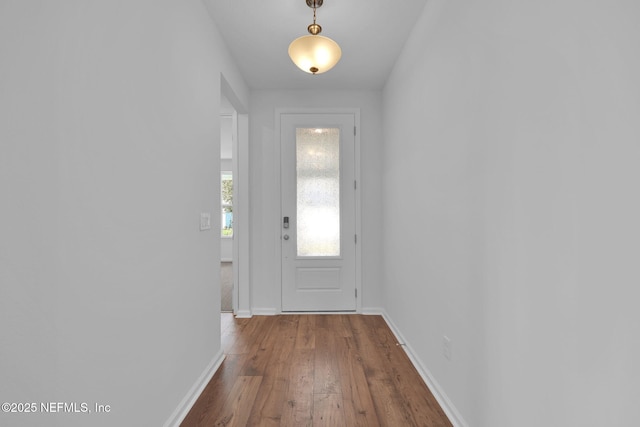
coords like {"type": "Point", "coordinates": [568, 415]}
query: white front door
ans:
{"type": "Point", "coordinates": [318, 212]}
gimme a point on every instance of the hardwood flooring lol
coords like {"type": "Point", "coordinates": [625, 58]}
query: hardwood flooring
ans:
{"type": "Point", "coordinates": [314, 370]}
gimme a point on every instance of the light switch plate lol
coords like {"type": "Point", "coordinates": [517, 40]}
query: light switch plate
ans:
{"type": "Point", "coordinates": [205, 221]}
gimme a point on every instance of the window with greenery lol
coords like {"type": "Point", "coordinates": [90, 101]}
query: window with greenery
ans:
{"type": "Point", "coordinates": [227, 204]}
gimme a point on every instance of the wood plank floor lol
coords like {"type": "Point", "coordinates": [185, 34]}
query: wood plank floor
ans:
{"type": "Point", "coordinates": [314, 370]}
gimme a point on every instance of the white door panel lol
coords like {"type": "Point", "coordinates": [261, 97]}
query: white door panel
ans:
{"type": "Point", "coordinates": [318, 212]}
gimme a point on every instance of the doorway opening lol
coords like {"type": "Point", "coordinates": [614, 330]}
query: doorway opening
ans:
{"type": "Point", "coordinates": [227, 277]}
{"type": "Point", "coordinates": [233, 203]}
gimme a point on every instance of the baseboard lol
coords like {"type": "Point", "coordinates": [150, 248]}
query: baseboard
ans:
{"type": "Point", "coordinates": [264, 311]}
{"type": "Point", "coordinates": [243, 314]}
{"type": "Point", "coordinates": [445, 403]}
{"type": "Point", "coordinates": [377, 311]}
{"type": "Point", "coordinates": [192, 395]}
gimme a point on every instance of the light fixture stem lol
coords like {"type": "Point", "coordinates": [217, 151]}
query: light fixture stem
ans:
{"type": "Point", "coordinates": [314, 29]}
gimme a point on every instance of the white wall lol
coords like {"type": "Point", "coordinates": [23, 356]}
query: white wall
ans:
{"type": "Point", "coordinates": [226, 137]}
{"type": "Point", "coordinates": [512, 144]}
{"type": "Point", "coordinates": [109, 140]}
{"type": "Point", "coordinates": [265, 213]}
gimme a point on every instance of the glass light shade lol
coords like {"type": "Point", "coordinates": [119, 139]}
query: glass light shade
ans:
{"type": "Point", "coordinates": [317, 53]}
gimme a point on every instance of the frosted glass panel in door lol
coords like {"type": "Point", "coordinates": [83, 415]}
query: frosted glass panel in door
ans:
{"type": "Point", "coordinates": [318, 191]}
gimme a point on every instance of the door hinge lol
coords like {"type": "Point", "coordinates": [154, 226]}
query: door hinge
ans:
{"type": "Point", "coordinates": [356, 292]}
{"type": "Point", "coordinates": [354, 131]}
{"type": "Point", "coordinates": [355, 185]}
{"type": "Point", "coordinates": [355, 239]}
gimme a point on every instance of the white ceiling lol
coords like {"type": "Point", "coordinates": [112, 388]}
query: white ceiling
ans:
{"type": "Point", "coordinates": [371, 34]}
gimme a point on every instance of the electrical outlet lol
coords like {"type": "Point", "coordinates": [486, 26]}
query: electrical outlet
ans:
{"type": "Point", "coordinates": [446, 348]}
{"type": "Point", "coordinates": [205, 221]}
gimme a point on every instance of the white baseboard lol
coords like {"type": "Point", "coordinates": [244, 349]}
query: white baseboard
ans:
{"type": "Point", "coordinates": [264, 311]}
{"type": "Point", "coordinates": [243, 314]}
{"type": "Point", "coordinates": [192, 395]}
{"type": "Point", "coordinates": [445, 403]}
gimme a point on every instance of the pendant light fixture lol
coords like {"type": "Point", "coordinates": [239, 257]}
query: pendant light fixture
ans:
{"type": "Point", "coordinates": [314, 53]}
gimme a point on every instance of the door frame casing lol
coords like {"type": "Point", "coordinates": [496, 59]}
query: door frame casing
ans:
{"type": "Point", "coordinates": [277, 234]}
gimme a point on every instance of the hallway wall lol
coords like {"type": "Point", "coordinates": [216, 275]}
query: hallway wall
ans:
{"type": "Point", "coordinates": [109, 148]}
{"type": "Point", "coordinates": [511, 139]}
{"type": "Point", "coordinates": [264, 217]}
